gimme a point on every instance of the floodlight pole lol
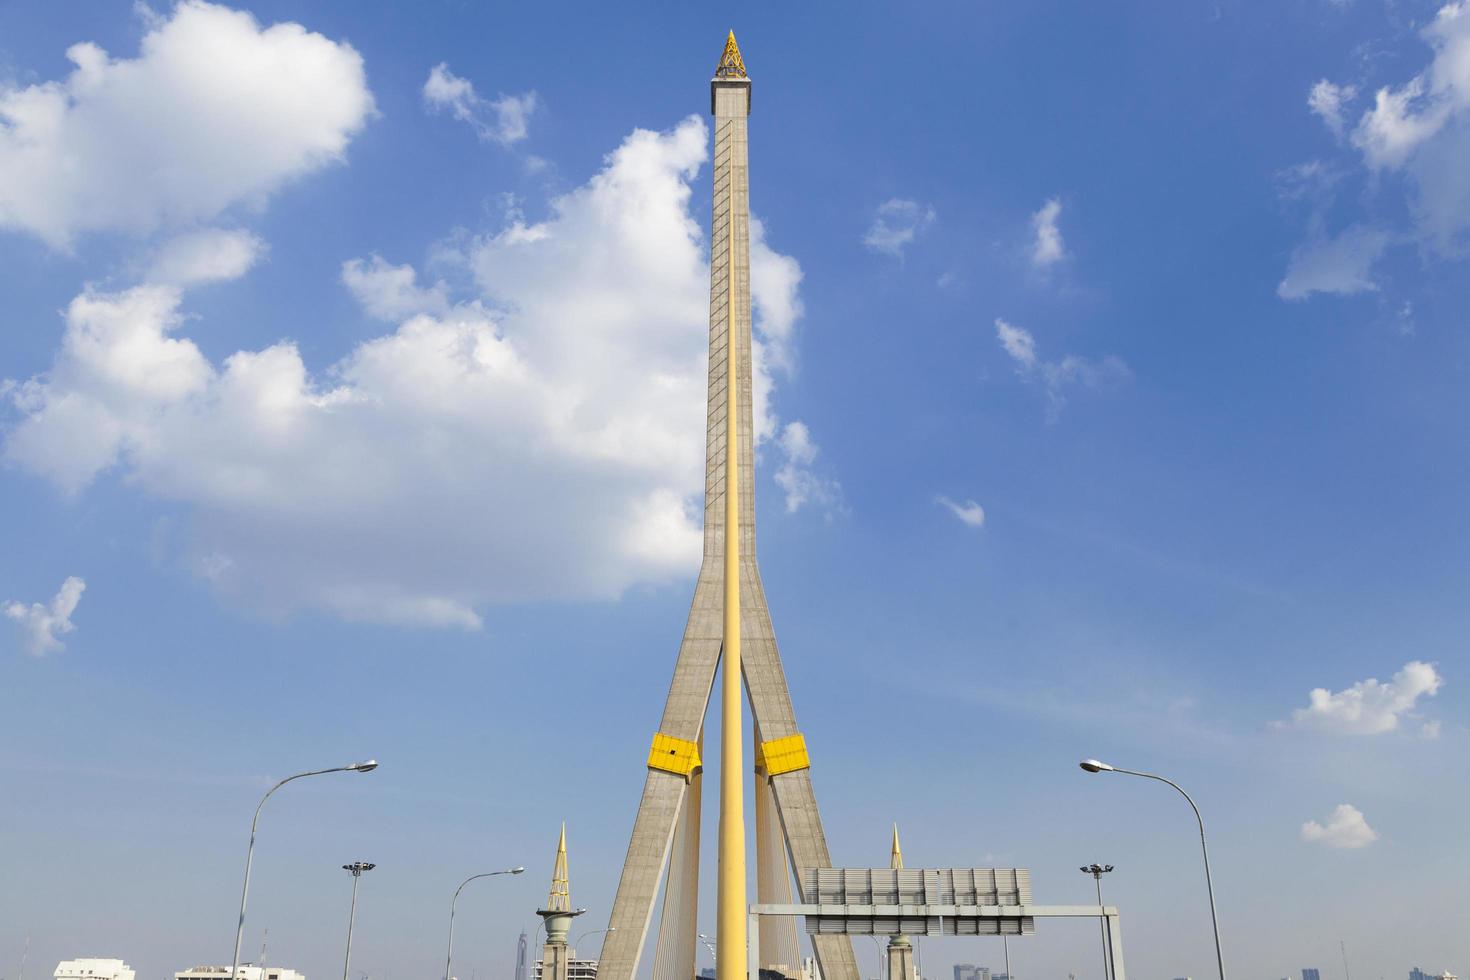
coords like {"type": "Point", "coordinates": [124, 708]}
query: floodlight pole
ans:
{"type": "Point", "coordinates": [357, 868]}
{"type": "Point", "coordinates": [1097, 871]}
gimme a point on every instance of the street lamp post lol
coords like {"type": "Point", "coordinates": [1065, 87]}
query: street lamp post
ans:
{"type": "Point", "coordinates": [593, 932]}
{"type": "Point", "coordinates": [357, 868]}
{"type": "Point", "coordinates": [1092, 765]}
{"type": "Point", "coordinates": [367, 766]}
{"type": "Point", "coordinates": [449, 953]}
{"type": "Point", "coordinates": [1097, 871]}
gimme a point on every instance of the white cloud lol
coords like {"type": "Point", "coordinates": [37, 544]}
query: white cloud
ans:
{"type": "Point", "coordinates": [504, 120]}
{"type": "Point", "coordinates": [44, 624]}
{"type": "Point", "coordinates": [1017, 342]}
{"type": "Point", "coordinates": [797, 477]}
{"type": "Point", "coordinates": [1342, 264]}
{"type": "Point", "coordinates": [391, 292]}
{"type": "Point", "coordinates": [214, 111]}
{"type": "Point", "coordinates": [1057, 376]}
{"type": "Point", "coordinates": [551, 449]}
{"type": "Point", "coordinates": [1419, 129]}
{"type": "Point", "coordinates": [1369, 707]}
{"type": "Point", "coordinates": [1047, 249]}
{"type": "Point", "coordinates": [897, 225]}
{"type": "Point", "coordinates": [1328, 101]}
{"type": "Point", "coordinates": [969, 512]}
{"type": "Point", "coordinates": [208, 255]}
{"type": "Point", "coordinates": [1423, 128]}
{"type": "Point", "coordinates": [1346, 829]}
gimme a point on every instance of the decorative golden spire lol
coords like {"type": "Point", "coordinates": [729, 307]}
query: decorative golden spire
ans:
{"type": "Point", "coordinates": [896, 860]}
{"type": "Point", "coordinates": [560, 899]}
{"type": "Point", "coordinates": [731, 64]}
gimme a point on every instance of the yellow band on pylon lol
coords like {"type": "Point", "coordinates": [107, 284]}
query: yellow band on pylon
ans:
{"type": "Point", "coordinates": [784, 755]}
{"type": "Point", "coordinates": [675, 755]}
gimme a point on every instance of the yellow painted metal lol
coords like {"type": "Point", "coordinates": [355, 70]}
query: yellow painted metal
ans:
{"type": "Point", "coordinates": [731, 64]}
{"type": "Point", "coordinates": [675, 755]}
{"type": "Point", "coordinates": [730, 936]}
{"type": "Point", "coordinates": [784, 755]}
{"type": "Point", "coordinates": [560, 899]}
{"type": "Point", "coordinates": [895, 859]}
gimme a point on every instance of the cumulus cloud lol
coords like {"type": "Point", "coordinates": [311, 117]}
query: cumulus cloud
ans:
{"type": "Point", "coordinates": [214, 110]}
{"type": "Point", "coordinates": [209, 255]}
{"type": "Point", "coordinates": [1047, 249]}
{"type": "Point", "coordinates": [1346, 829]}
{"type": "Point", "coordinates": [1369, 707]}
{"type": "Point", "coordinates": [504, 120]}
{"type": "Point", "coordinates": [391, 292]}
{"type": "Point", "coordinates": [1328, 101]}
{"type": "Point", "coordinates": [969, 513]}
{"type": "Point", "coordinates": [43, 625]}
{"type": "Point", "coordinates": [897, 225]}
{"type": "Point", "coordinates": [1417, 131]}
{"type": "Point", "coordinates": [1422, 128]}
{"type": "Point", "coordinates": [1057, 376]}
{"type": "Point", "coordinates": [796, 475]}
{"type": "Point", "coordinates": [543, 441]}
{"type": "Point", "coordinates": [1340, 264]}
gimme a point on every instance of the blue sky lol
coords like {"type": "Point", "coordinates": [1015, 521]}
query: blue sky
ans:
{"type": "Point", "coordinates": [1115, 359]}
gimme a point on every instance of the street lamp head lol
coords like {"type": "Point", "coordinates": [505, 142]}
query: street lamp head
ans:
{"type": "Point", "coordinates": [1092, 765]}
{"type": "Point", "coordinates": [358, 867]}
{"type": "Point", "coordinates": [516, 871]}
{"type": "Point", "coordinates": [367, 766]}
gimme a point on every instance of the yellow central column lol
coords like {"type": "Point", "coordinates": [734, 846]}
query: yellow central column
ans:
{"type": "Point", "coordinates": [731, 961]}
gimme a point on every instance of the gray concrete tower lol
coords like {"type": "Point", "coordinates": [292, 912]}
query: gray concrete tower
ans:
{"type": "Point", "coordinates": [668, 813]}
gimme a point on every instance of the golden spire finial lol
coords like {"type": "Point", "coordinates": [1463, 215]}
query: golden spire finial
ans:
{"type": "Point", "coordinates": [560, 899]}
{"type": "Point", "coordinates": [731, 64]}
{"type": "Point", "coordinates": [896, 860]}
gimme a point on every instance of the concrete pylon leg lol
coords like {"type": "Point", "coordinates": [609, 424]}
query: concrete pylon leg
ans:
{"type": "Point", "coordinates": [663, 792]}
{"type": "Point", "coordinates": [678, 928]}
{"type": "Point", "coordinates": [796, 802]}
{"type": "Point", "coordinates": [778, 947]}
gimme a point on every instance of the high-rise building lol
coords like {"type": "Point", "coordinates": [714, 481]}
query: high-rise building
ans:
{"type": "Point", "coordinates": [1418, 974]}
{"type": "Point", "coordinates": [1311, 973]}
{"type": "Point", "coordinates": [94, 969]}
{"type": "Point", "coordinates": [969, 971]}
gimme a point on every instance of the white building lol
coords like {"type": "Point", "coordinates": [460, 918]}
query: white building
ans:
{"type": "Point", "coordinates": [576, 970]}
{"type": "Point", "coordinates": [247, 972]}
{"type": "Point", "coordinates": [93, 969]}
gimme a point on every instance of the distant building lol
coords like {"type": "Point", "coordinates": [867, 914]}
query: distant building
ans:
{"type": "Point", "coordinates": [1418, 974]}
{"type": "Point", "coordinates": [708, 973]}
{"type": "Point", "coordinates": [969, 971]}
{"type": "Point", "coordinates": [1311, 973]}
{"type": "Point", "coordinates": [93, 969]}
{"type": "Point", "coordinates": [576, 970]}
{"type": "Point", "coordinates": [247, 972]}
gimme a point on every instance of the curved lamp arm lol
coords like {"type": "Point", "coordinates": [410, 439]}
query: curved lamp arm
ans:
{"type": "Point", "coordinates": [367, 766]}
{"type": "Point", "coordinates": [449, 952]}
